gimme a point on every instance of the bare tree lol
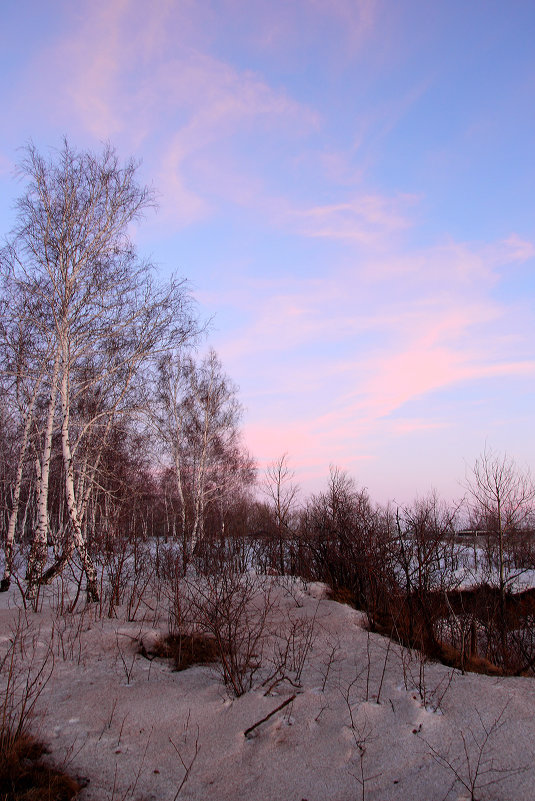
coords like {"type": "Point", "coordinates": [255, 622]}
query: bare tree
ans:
{"type": "Point", "coordinates": [347, 541]}
{"type": "Point", "coordinates": [169, 418]}
{"type": "Point", "coordinates": [214, 412]}
{"type": "Point", "coordinates": [502, 498]}
{"type": "Point", "coordinates": [29, 355]}
{"type": "Point", "coordinates": [282, 494]}
{"type": "Point", "coordinates": [85, 293]}
{"type": "Point", "coordinates": [426, 557]}
{"type": "Point", "coordinates": [197, 419]}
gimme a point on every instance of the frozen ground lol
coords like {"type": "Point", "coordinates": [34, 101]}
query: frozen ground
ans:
{"type": "Point", "coordinates": [133, 726]}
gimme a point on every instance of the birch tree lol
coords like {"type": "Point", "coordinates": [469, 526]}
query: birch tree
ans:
{"type": "Point", "coordinates": [72, 262]}
{"type": "Point", "coordinates": [25, 363]}
{"type": "Point", "coordinates": [213, 414]}
{"type": "Point", "coordinates": [198, 421]}
{"type": "Point", "coordinates": [282, 494]}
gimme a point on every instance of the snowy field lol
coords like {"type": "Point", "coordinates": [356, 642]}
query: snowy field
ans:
{"type": "Point", "coordinates": [368, 719]}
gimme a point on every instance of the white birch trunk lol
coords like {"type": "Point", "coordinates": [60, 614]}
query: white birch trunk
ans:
{"type": "Point", "coordinates": [77, 540]}
{"type": "Point", "coordinates": [198, 521]}
{"type": "Point", "coordinates": [76, 536]}
{"type": "Point", "coordinates": [38, 552]}
{"type": "Point", "coordinates": [198, 518]}
{"type": "Point", "coordinates": [178, 464]}
{"type": "Point", "coordinates": [13, 515]}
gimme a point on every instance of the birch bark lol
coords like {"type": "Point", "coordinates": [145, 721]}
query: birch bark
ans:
{"type": "Point", "coordinates": [14, 513]}
{"type": "Point", "coordinates": [77, 539]}
{"type": "Point", "coordinates": [39, 549]}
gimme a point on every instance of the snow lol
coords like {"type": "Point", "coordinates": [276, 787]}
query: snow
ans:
{"type": "Point", "coordinates": [132, 727]}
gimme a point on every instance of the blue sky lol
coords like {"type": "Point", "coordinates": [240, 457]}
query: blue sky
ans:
{"type": "Point", "coordinates": [349, 188]}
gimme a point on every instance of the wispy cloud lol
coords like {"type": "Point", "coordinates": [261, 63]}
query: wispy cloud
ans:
{"type": "Point", "coordinates": [345, 373]}
{"type": "Point", "coordinates": [221, 102]}
{"type": "Point", "coordinates": [151, 81]}
{"type": "Point", "coordinates": [285, 29]}
{"type": "Point", "coordinates": [362, 220]}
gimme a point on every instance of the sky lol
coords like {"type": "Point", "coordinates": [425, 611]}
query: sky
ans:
{"type": "Point", "coordinates": [348, 186]}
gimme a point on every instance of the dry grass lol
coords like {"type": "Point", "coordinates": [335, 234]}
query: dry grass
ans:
{"type": "Point", "coordinates": [26, 776]}
{"type": "Point", "coordinates": [186, 650]}
{"type": "Point", "coordinates": [342, 596]}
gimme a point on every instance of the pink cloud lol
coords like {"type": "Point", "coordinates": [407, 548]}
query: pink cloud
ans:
{"type": "Point", "coordinates": [355, 18]}
{"type": "Point", "coordinates": [453, 268]}
{"type": "Point", "coordinates": [143, 78]}
{"type": "Point", "coordinates": [268, 441]}
{"type": "Point", "coordinates": [419, 340]}
{"type": "Point", "coordinates": [311, 455]}
{"type": "Point", "coordinates": [364, 220]}
{"type": "Point", "coordinates": [514, 249]}
{"type": "Point", "coordinates": [220, 102]}
{"type": "Point", "coordinates": [406, 426]}
{"type": "Point", "coordinates": [433, 355]}
{"type": "Point", "coordinates": [279, 28]}
{"type": "Point", "coordinates": [150, 81]}
{"type": "Point", "coordinates": [433, 325]}
{"type": "Point", "coordinates": [407, 310]}
{"type": "Point", "coordinates": [386, 385]}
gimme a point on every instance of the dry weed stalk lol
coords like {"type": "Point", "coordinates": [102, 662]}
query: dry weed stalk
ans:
{"type": "Point", "coordinates": [328, 663]}
{"type": "Point", "coordinates": [238, 612]}
{"type": "Point", "coordinates": [415, 678]}
{"type": "Point", "coordinates": [475, 769]}
{"type": "Point", "coordinates": [235, 610]}
{"type": "Point", "coordinates": [362, 737]}
{"type": "Point", "coordinates": [25, 670]}
{"type": "Point", "coordinates": [128, 668]}
{"type": "Point", "coordinates": [24, 673]}
{"type": "Point", "coordinates": [187, 762]}
{"type": "Point", "coordinates": [67, 633]}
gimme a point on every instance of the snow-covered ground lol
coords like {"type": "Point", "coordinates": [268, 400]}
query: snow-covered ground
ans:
{"type": "Point", "coordinates": [133, 727]}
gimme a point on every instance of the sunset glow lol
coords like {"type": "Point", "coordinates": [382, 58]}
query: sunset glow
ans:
{"type": "Point", "coordinates": [349, 189]}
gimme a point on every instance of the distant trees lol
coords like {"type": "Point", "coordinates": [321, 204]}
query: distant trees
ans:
{"type": "Point", "coordinates": [282, 493]}
{"type": "Point", "coordinates": [84, 318]}
{"type": "Point", "coordinates": [425, 558]}
{"type": "Point", "coordinates": [197, 419]}
{"type": "Point", "coordinates": [426, 531]}
{"type": "Point", "coordinates": [501, 499]}
{"type": "Point", "coordinates": [348, 542]}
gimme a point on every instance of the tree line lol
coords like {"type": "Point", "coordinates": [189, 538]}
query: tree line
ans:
{"type": "Point", "coordinates": [453, 580]}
